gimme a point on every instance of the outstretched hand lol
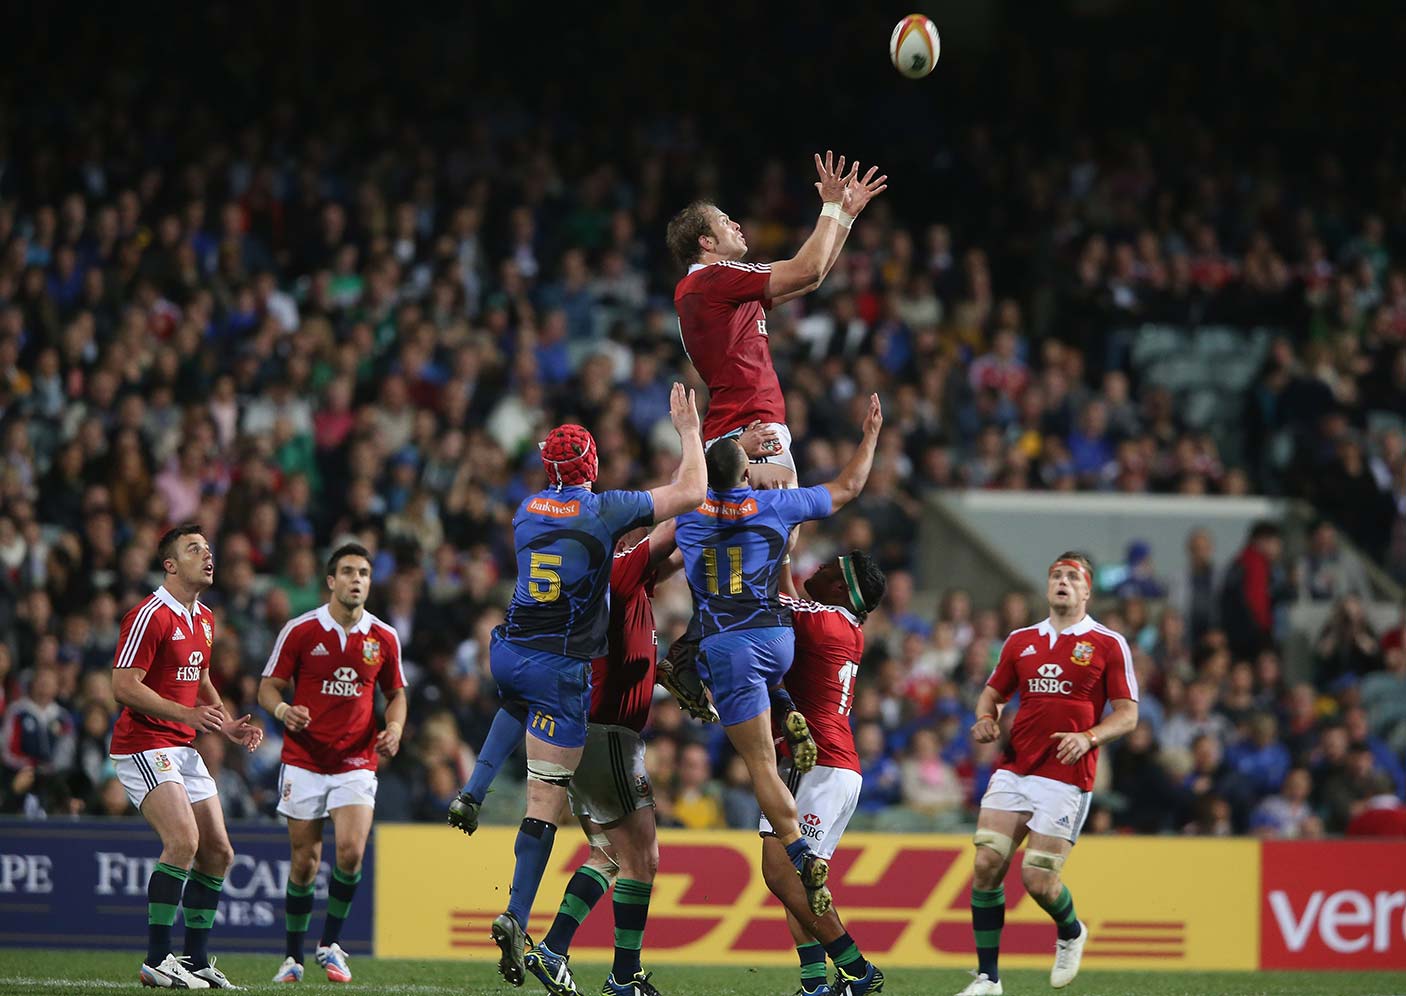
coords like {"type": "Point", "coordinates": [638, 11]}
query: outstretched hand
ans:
{"type": "Point", "coordinates": [874, 417]}
{"type": "Point", "coordinates": [683, 410]}
{"type": "Point", "coordinates": [859, 192]}
{"type": "Point", "coordinates": [834, 182]}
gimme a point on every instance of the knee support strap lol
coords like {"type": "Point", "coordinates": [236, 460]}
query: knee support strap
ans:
{"type": "Point", "coordinates": [998, 842]}
{"type": "Point", "coordinates": [549, 772]}
{"type": "Point", "coordinates": [1044, 860]}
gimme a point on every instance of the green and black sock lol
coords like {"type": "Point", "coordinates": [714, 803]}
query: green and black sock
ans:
{"type": "Point", "coordinates": [1062, 912]}
{"type": "Point", "coordinates": [297, 913]}
{"type": "Point", "coordinates": [845, 954]}
{"type": "Point", "coordinates": [988, 917]}
{"type": "Point", "coordinates": [584, 890]}
{"type": "Point", "coordinates": [163, 895]}
{"type": "Point", "coordinates": [202, 897]}
{"type": "Point", "coordinates": [631, 911]}
{"type": "Point", "coordinates": [812, 957]}
{"type": "Point", "coordinates": [339, 897]}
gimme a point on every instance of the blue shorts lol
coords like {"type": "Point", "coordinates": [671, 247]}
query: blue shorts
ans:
{"type": "Point", "coordinates": [740, 668]}
{"type": "Point", "coordinates": [554, 690]}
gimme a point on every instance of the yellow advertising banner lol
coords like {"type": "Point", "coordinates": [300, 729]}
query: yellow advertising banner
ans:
{"type": "Point", "coordinates": [1149, 902]}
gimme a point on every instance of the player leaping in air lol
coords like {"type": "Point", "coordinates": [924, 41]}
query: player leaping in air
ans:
{"type": "Point", "coordinates": [1066, 669]}
{"type": "Point", "coordinates": [556, 625]}
{"type": "Point", "coordinates": [829, 646]}
{"type": "Point", "coordinates": [721, 304]}
{"type": "Point", "coordinates": [610, 792]}
{"type": "Point", "coordinates": [732, 547]}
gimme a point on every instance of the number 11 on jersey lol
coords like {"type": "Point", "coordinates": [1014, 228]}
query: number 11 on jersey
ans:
{"type": "Point", "coordinates": [847, 673]}
{"type": "Point", "coordinates": [734, 574]}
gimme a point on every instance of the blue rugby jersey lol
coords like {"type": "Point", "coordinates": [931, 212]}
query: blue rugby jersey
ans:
{"type": "Point", "coordinates": [565, 542]}
{"type": "Point", "coordinates": [732, 548]}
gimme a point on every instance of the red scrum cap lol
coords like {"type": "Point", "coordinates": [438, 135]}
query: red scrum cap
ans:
{"type": "Point", "coordinates": [570, 456]}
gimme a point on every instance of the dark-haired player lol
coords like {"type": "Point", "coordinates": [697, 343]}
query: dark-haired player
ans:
{"type": "Point", "coordinates": [732, 549]}
{"type": "Point", "coordinates": [721, 301]}
{"type": "Point", "coordinates": [161, 679]}
{"type": "Point", "coordinates": [1066, 670]}
{"type": "Point", "coordinates": [556, 625]}
{"type": "Point", "coordinates": [335, 656]}
{"type": "Point", "coordinates": [829, 647]}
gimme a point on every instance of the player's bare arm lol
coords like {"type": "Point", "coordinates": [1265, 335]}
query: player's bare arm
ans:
{"type": "Point", "coordinates": [851, 480]}
{"type": "Point", "coordinates": [987, 727]}
{"type": "Point", "coordinates": [388, 740]}
{"type": "Point", "coordinates": [129, 690]}
{"type": "Point", "coordinates": [803, 272]}
{"type": "Point", "coordinates": [858, 193]}
{"type": "Point", "coordinates": [663, 551]}
{"type": "Point", "coordinates": [687, 490]}
{"type": "Point", "coordinates": [243, 731]}
{"type": "Point", "coordinates": [293, 717]}
{"type": "Point", "coordinates": [1119, 722]}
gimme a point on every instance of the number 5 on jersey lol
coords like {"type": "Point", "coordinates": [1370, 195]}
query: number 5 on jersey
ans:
{"type": "Point", "coordinates": [538, 574]}
{"type": "Point", "coordinates": [734, 574]}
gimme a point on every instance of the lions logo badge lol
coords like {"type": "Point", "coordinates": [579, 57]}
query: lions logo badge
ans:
{"type": "Point", "coordinates": [1083, 653]}
{"type": "Point", "coordinates": [642, 787]}
{"type": "Point", "coordinates": [371, 651]}
{"type": "Point", "coordinates": [287, 791]}
{"type": "Point", "coordinates": [161, 762]}
{"type": "Point", "coordinates": [209, 633]}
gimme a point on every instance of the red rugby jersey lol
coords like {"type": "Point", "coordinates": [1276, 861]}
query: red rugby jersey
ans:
{"type": "Point", "coordinates": [172, 646]}
{"type": "Point", "coordinates": [333, 672]}
{"type": "Point", "coordinates": [1065, 680]}
{"type": "Point", "coordinates": [829, 647]}
{"type": "Point", "coordinates": [622, 682]}
{"type": "Point", "coordinates": [724, 333]}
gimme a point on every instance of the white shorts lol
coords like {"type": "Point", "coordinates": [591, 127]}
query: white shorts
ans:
{"type": "Point", "coordinates": [140, 773]}
{"type": "Point", "coordinates": [785, 458]}
{"type": "Point", "coordinates": [610, 783]}
{"type": "Point", "coordinates": [310, 795]}
{"type": "Point", "coordinates": [825, 800]}
{"type": "Point", "coordinates": [1057, 809]}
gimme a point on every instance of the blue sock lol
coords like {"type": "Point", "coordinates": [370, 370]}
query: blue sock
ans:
{"type": "Point", "coordinates": [781, 702]}
{"type": "Point", "coordinates": [797, 851]}
{"type": "Point", "coordinates": [533, 848]}
{"type": "Point", "coordinates": [504, 737]}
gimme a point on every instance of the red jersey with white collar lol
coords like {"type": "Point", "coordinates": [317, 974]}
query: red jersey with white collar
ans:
{"type": "Point", "coordinates": [724, 333]}
{"type": "Point", "coordinates": [1064, 680]}
{"type": "Point", "coordinates": [622, 682]}
{"type": "Point", "coordinates": [172, 646]}
{"type": "Point", "coordinates": [333, 672]}
{"type": "Point", "coordinates": [829, 647]}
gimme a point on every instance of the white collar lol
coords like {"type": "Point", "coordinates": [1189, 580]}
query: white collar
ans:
{"type": "Point", "coordinates": [169, 600]}
{"type": "Point", "coordinates": [697, 266]}
{"type": "Point", "coordinates": [324, 616]}
{"type": "Point", "coordinates": [1085, 625]}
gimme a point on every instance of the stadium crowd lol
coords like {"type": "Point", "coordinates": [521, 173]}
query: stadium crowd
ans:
{"type": "Point", "coordinates": [324, 330]}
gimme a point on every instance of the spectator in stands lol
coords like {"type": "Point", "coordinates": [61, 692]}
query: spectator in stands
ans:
{"type": "Point", "coordinates": [1197, 594]}
{"type": "Point", "coordinates": [929, 783]}
{"type": "Point", "coordinates": [38, 731]}
{"type": "Point", "coordinates": [1255, 585]}
{"type": "Point", "coordinates": [882, 786]}
{"type": "Point", "coordinates": [1326, 572]}
{"type": "Point", "coordinates": [1198, 718]}
{"type": "Point", "coordinates": [1380, 813]}
{"type": "Point", "coordinates": [1261, 758]}
{"type": "Point", "coordinates": [1346, 645]}
{"type": "Point", "coordinates": [1384, 696]}
{"type": "Point", "coordinates": [1288, 815]}
{"type": "Point", "coordinates": [1142, 783]}
{"type": "Point", "coordinates": [1141, 580]}
{"type": "Point", "coordinates": [1385, 758]}
{"type": "Point", "coordinates": [697, 804]}
{"type": "Point", "coordinates": [1212, 784]}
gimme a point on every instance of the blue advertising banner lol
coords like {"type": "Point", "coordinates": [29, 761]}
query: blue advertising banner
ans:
{"type": "Point", "coordinates": [83, 884]}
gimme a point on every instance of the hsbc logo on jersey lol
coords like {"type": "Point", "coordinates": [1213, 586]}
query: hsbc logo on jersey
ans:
{"type": "Point", "coordinates": [345, 682]}
{"type": "Point", "coordinates": [1049, 681]}
{"type": "Point", "coordinates": [190, 671]}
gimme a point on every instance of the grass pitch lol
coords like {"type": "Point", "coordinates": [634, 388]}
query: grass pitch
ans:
{"type": "Point", "coordinates": [40, 972]}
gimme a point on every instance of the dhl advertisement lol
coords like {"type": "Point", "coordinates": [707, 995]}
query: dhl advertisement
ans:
{"type": "Point", "coordinates": [1153, 903]}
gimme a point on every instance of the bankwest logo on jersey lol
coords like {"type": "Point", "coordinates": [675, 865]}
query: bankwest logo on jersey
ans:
{"type": "Point", "coordinates": [1049, 681]}
{"type": "Point", "coordinates": [554, 509]}
{"type": "Point", "coordinates": [728, 509]}
{"type": "Point", "coordinates": [344, 682]}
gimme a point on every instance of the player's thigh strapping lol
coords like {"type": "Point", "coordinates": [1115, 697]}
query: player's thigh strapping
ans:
{"type": "Point", "coordinates": [741, 667]}
{"type": "Point", "coordinates": [311, 795]}
{"type": "Point", "coordinates": [1057, 809]}
{"type": "Point", "coordinates": [611, 782]}
{"type": "Point", "coordinates": [142, 772]}
{"type": "Point", "coordinates": [826, 799]}
{"type": "Point", "coordinates": [555, 690]}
